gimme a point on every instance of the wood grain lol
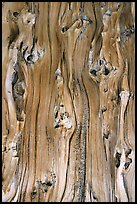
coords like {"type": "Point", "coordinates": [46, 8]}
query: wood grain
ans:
{"type": "Point", "coordinates": [68, 82]}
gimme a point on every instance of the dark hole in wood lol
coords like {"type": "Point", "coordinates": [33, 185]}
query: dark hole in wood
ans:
{"type": "Point", "coordinates": [94, 195]}
{"type": "Point", "coordinates": [117, 159]}
{"type": "Point", "coordinates": [106, 135]}
{"type": "Point", "coordinates": [101, 62]}
{"type": "Point", "coordinates": [64, 29]}
{"type": "Point", "coordinates": [56, 126]}
{"type": "Point", "coordinates": [128, 152]}
{"type": "Point", "coordinates": [44, 184]}
{"type": "Point", "coordinates": [105, 90]}
{"type": "Point", "coordinates": [61, 117]}
{"type": "Point", "coordinates": [29, 58]}
{"type": "Point", "coordinates": [15, 14]}
{"type": "Point", "coordinates": [128, 163]}
{"type": "Point", "coordinates": [132, 29]}
{"type": "Point", "coordinates": [49, 183]}
{"type": "Point", "coordinates": [14, 78]}
{"type": "Point", "coordinates": [21, 44]}
{"type": "Point", "coordinates": [56, 114]}
{"type": "Point", "coordinates": [33, 193]}
{"type": "Point", "coordinates": [106, 71]}
{"type": "Point", "coordinates": [45, 190]}
{"type": "Point", "coordinates": [90, 21]}
{"type": "Point", "coordinates": [93, 72]}
{"type": "Point", "coordinates": [19, 118]}
{"type": "Point", "coordinates": [104, 109]}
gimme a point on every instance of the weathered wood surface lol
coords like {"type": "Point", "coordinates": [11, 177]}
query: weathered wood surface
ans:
{"type": "Point", "coordinates": [68, 78]}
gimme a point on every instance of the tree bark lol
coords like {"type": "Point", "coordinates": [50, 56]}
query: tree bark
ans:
{"type": "Point", "coordinates": [68, 82]}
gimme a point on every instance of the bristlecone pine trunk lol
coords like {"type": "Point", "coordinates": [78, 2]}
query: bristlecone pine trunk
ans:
{"type": "Point", "coordinates": [68, 102]}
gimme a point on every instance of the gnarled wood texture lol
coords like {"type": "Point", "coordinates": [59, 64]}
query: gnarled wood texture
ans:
{"type": "Point", "coordinates": [68, 101]}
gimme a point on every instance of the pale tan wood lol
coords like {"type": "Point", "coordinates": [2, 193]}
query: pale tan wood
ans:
{"type": "Point", "coordinates": [68, 105]}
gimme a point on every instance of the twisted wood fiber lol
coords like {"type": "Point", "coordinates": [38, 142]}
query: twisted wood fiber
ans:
{"type": "Point", "coordinates": [68, 101]}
